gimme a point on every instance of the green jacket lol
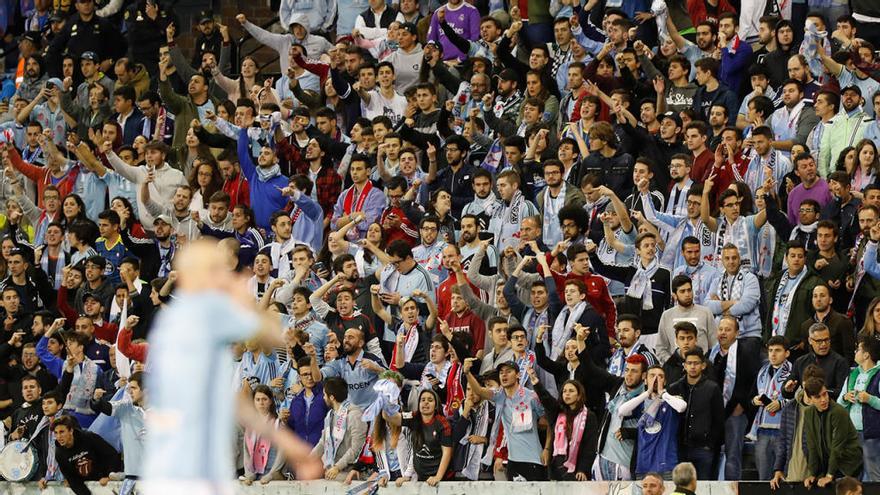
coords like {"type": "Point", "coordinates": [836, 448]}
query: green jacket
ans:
{"type": "Point", "coordinates": [184, 111]}
{"type": "Point", "coordinates": [840, 132]}
{"type": "Point", "coordinates": [832, 442]}
{"type": "Point", "coordinates": [801, 306]}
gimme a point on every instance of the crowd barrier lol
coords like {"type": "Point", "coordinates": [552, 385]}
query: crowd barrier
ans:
{"type": "Point", "coordinates": [466, 488]}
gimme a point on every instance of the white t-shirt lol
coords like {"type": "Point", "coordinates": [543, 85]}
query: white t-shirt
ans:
{"type": "Point", "coordinates": [393, 108]}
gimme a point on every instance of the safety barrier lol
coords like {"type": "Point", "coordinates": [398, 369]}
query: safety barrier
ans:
{"type": "Point", "coordinates": [463, 488]}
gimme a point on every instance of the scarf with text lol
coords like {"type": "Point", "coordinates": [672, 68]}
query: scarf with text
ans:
{"type": "Point", "coordinates": [563, 327]}
{"type": "Point", "coordinates": [563, 446]}
{"type": "Point", "coordinates": [641, 282]}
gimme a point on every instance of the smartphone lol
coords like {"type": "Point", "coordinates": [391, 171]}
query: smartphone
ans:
{"type": "Point", "coordinates": [765, 400]}
{"type": "Point", "coordinates": [430, 376]}
{"type": "Point", "coordinates": [319, 266]}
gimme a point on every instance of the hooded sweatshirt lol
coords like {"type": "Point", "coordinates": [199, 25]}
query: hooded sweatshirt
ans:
{"type": "Point", "coordinates": [315, 45]}
{"type": "Point", "coordinates": [318, 14]}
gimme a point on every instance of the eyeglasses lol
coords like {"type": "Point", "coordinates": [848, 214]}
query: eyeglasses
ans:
{"type": "Point", "coordinates": [693, 203]}
{"type": "Point", "coordinates": [807, 210]}
{"type": "Point", "coordinates": [429, 229]}
{"type": "Point", "coordinates": [518, 337]}
{"type": "Point", "coordinates": [821, 341]}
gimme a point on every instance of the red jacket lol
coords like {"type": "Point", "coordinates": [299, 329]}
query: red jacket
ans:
{"type": "Point", "coordinates": [42, 176]}
{"type": "Point", "coordinates": [138, 352]}
{"type": "Point", "coordinates": [597, 295]}
{"type": "Point", "coordinates": [702, 163]}
{"type": "Point", "coordinates": [238, 190]}
{"type": "Point", "coordinates": [106, 331]}
{"type": "Point", "coordinates": [444, 295]}
{"type": "Point", "coordinates": [698, 13]}
{"type": "Point", "coordinates": [471, 323]}
{"type": "Point", "coordinates": [406, 231]}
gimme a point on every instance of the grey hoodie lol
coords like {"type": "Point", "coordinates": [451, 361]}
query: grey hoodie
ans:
{"type": "Point", "coordinates": [315, 45]}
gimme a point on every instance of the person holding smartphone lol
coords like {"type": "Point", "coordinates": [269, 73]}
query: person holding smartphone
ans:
{"type": "Point", "coordinates": [768, 398]}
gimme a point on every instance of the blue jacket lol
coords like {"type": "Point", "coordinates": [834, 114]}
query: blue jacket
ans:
{"type": "Point", "coordinates": [134, 126]}
{"type": "Point", "coordinates": [307, 218]}
{"type": "Point", "coordinates": [308, 422]}
{"type": "Point", "coordinates": [733, 64]}
{"type": "Point", "coordinates": [785, 442]}
{"type": "Point", "coordinates": [266, 196]}
{"type": "Point", "coordinates": [53, 363]}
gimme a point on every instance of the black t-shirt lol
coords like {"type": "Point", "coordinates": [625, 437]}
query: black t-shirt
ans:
{"type": "Point", "coordinates": [435, 435]}
{"type": "Point", "coordinates": [338, 325]}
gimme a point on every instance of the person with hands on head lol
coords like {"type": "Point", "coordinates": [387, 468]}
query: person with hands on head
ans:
{"type": "Point", "coordinates": [358, 368]}
{"type": "Point", "coordinates": [53, 363]}
{"type": "Point", "coordinates": [412, 337]}
{"type": "Point", "coordinates": [731, 227]}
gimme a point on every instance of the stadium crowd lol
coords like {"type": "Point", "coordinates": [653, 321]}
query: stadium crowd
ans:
{"type": "Point", "coordinates": [510, 240]}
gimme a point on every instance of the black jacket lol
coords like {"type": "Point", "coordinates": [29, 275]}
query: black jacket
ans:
{"type": "Point", "coordinates": [89, 459]}
{"type": "Point", "coordinates": [615, 172]}
{"type": "Point", "coordinates": [660, 287]}
{"type": "Point", "coordinates": [674, 368]}
{"type": "Point", "coordinates": [702, 424]}
{"type": "Point", "coordinates": [589, 439]}
{"type": "Point", "coordinates": [835, 367]}
{"type": "Point", "coordinates": [603, 382]}
{"type": "Point", "coordinates": [748, 362]}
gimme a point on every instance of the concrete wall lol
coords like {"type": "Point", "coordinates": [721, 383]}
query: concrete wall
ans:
{"type": "Point", "coordinates": [446, 488]}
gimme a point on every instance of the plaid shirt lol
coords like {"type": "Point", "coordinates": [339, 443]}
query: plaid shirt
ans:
{"type": "Point", "coordinates": [328, 183]}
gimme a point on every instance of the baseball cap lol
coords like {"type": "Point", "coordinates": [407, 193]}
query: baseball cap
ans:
{"type": "Point", "coordinates": [56, 16]}
{"type": "Point", "coordinates": [672, 115]}
{"type": "Point", "coordinates": [410, 28]}
{"type": "Point", "coordinates": [206, 16]}
{"type": "Point", "coordinates": [508, 75]}
{"type": "Point", "coordinates": [55, 82]}
{"type": "Point", "coordinates": [507, 364]}
{"type": "Point", "coordinates": [92, 295]}
{"type": "Point", "coordinates": [32, 36]}
{"type": "Point", "coordinates": [852, 87]}
{"type": "Point", "coordinates": [162, 218]}
{"type": "Point", "coordinates": [89, 56]}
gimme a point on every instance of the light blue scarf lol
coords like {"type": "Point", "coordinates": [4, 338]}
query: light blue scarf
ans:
{"type": "Point", "coordinates": [267, 173]}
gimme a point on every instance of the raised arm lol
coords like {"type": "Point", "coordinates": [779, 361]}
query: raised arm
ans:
{"type": "Point", "coordinates": [705, 215]}
{"type": "Point", "coordinates": [378, 307]}
{"type": "Point", "coordinates": [25, 113]}
{"type": "Point", "coordinates": [431, 320]}
{"type": "Point", "coordinates": [84, 154]}
{"type": "Point", "coordinates": [677, 38]}
{"type": "Point", "coordinates": [473, 384]}
{"type": "Point", "coordinates": [620, 208]}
